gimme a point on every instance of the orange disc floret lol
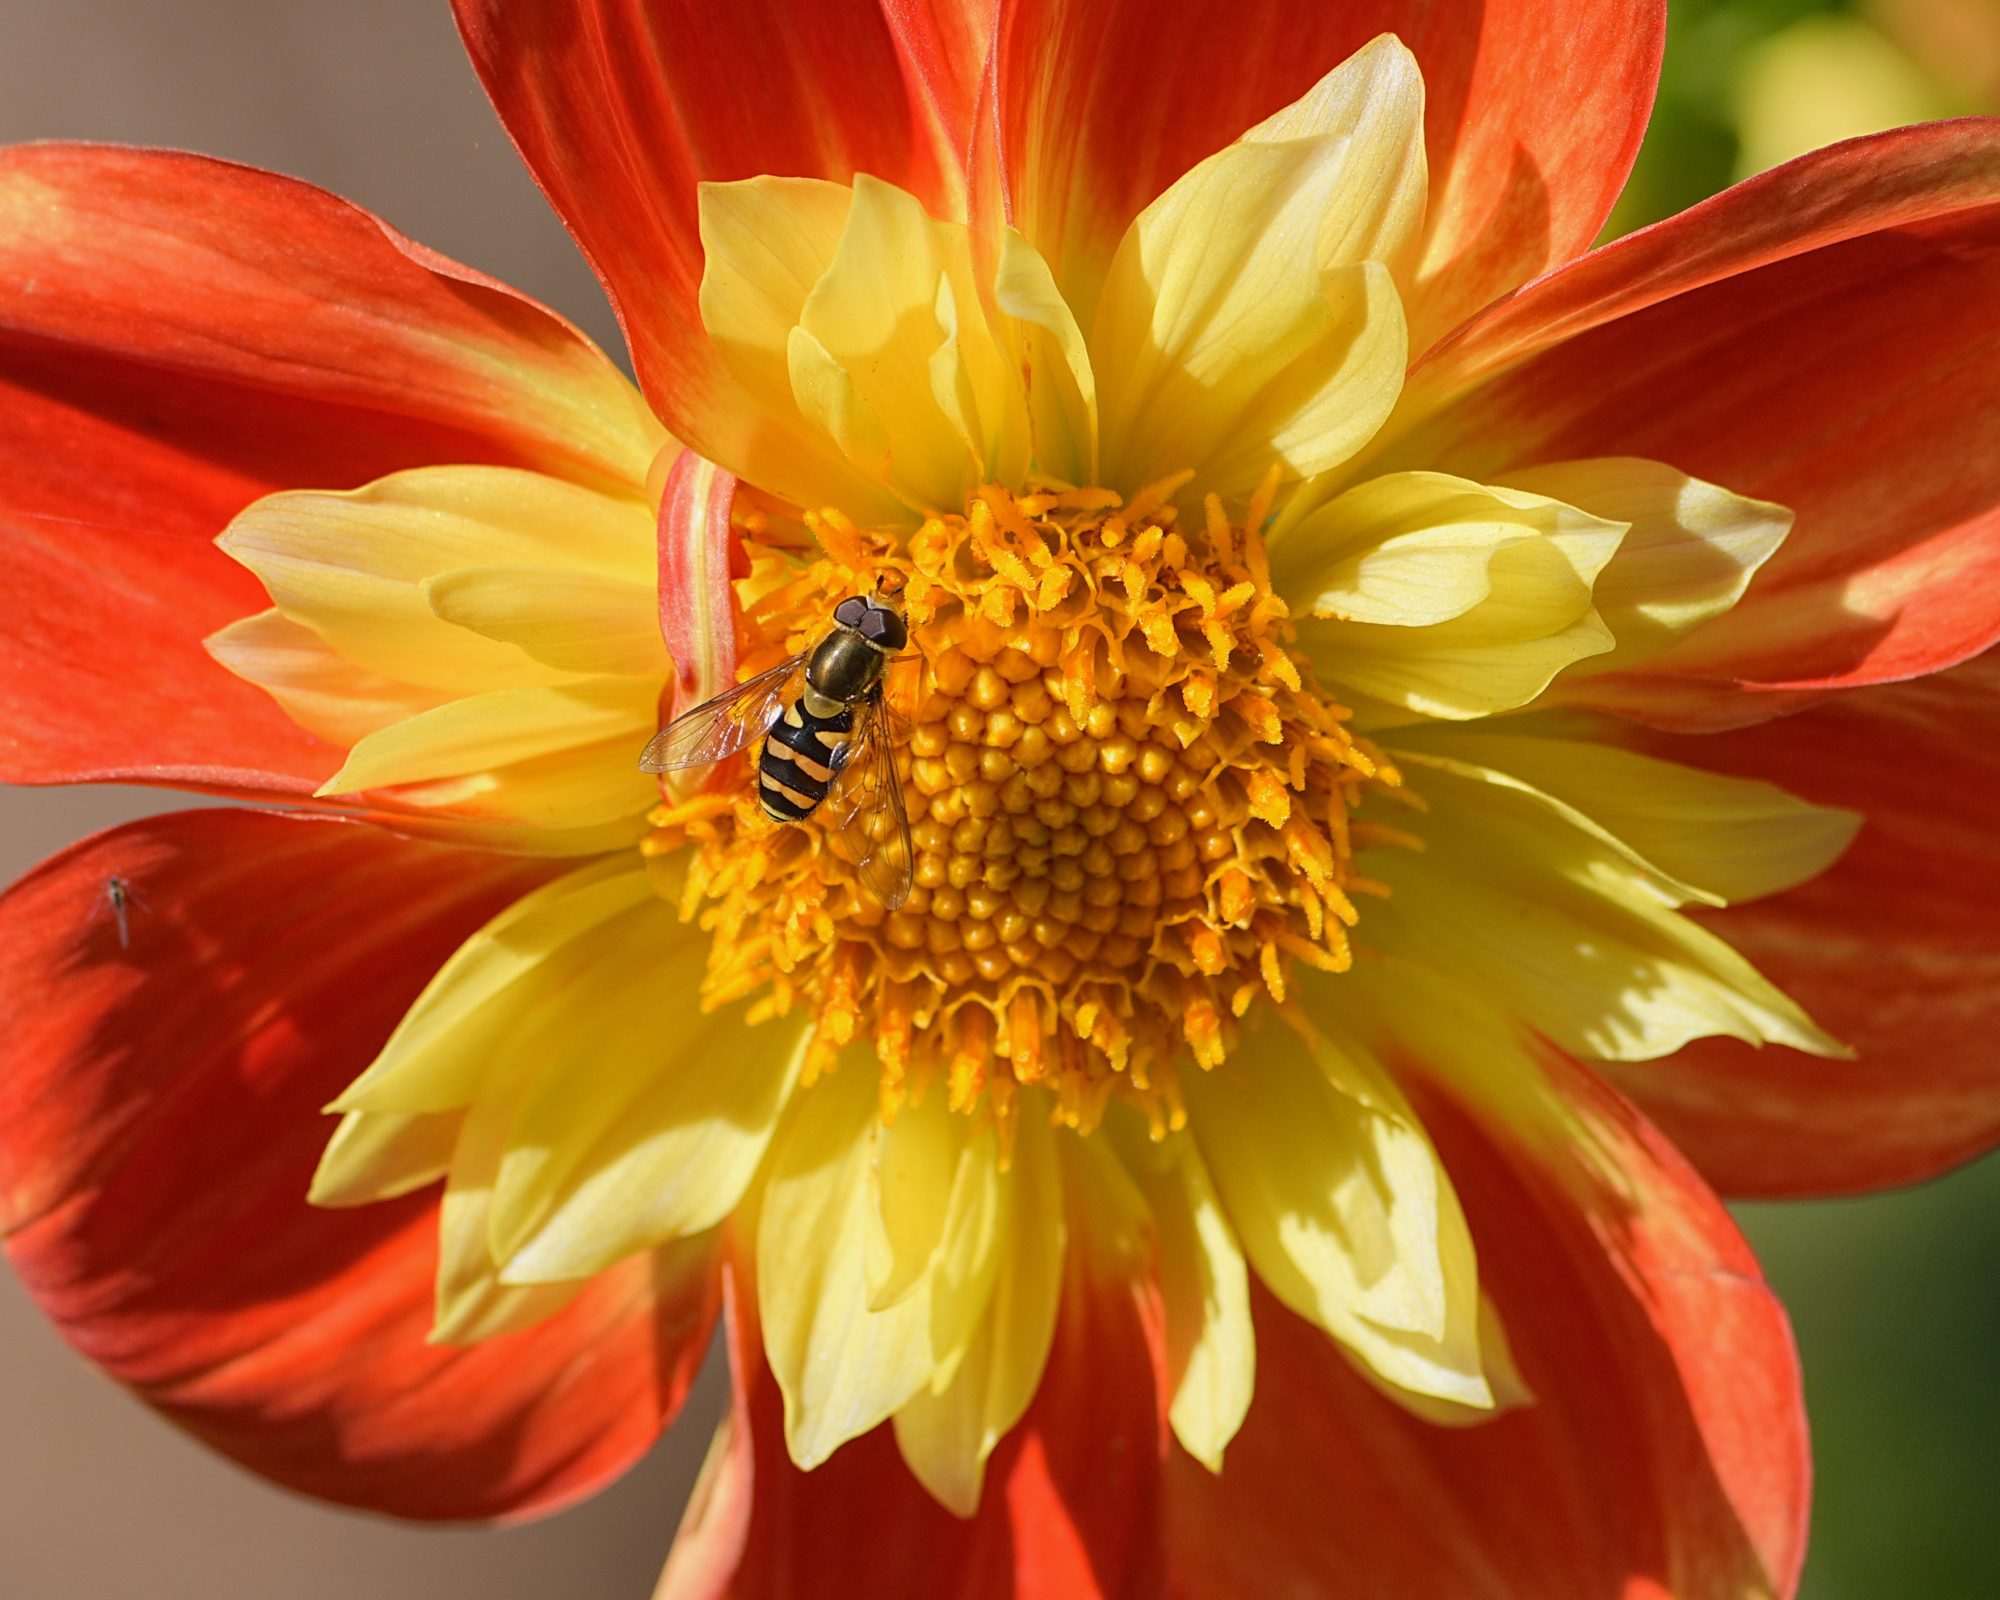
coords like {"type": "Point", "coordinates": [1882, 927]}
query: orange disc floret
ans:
{"type": "Point", "coordinates": [1128, 801]}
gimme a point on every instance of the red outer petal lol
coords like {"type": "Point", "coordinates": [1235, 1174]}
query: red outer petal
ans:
{"type": "Point", "coordinates": [1665, 1453]}
{"type": "Point", "coordinates": [621, 107]}
{"type": "Point", "coordinates": [179, 336]}
{"type": "Point", "coordinates": [945, 43]}
{"type": "Point", "coordinates": [1822, 336]}
{"type": "Point", "coordinates": [159, 1122]}
{"type": "Point", "coordinates": [1535, 113]}
{"type": "Point", "coordinates": [1070, 1508]}
{"type": "Point", "coordinates": [1895, 950]}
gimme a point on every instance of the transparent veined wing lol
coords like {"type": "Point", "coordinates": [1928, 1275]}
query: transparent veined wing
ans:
{"type": "Point", "coordinates": [865, 807]}
{"type": "Point", "coordinates": [722, 726]}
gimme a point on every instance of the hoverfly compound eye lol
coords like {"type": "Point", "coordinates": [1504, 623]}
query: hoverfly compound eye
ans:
{"type": "Point", "coordinates": [852, 612]}
{"type": "Point", "coordinates": [883, 627]}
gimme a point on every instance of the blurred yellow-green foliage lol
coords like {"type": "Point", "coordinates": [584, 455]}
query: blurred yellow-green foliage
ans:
{"type": "Point", "coordinates": [1751, 83]}
{"type": "Point", "coordinates": [1896, 1298]}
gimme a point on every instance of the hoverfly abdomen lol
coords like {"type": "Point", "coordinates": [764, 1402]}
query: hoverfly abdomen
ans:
{"type": "Point", "coordinates": [802, 754]}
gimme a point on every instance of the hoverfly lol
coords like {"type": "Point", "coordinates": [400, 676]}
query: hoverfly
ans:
{"type": "Point", "coordinates": [828, 739]}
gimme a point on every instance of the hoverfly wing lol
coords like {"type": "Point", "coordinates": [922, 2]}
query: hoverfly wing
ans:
{"type": "Point", "coordinates": [720, 727]}
{"type": "Point", "coordinates": [865, 806]}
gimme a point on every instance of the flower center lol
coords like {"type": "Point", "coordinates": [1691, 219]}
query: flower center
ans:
{"type": "Point", "coordinates": [1129, 802]}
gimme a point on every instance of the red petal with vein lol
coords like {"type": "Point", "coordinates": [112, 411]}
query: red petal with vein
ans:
{"type": "Point", "coordinates": [179, 336]}
{"type": "Point", "coordinates": [1070, 1508]}
{"type": "Point", "coordinates": [1822, 336]}
{"type": "Point", "coordinates": [1665, 1453]}
{"type": "Point", "coordinates": [945, 43]}
{"type": "Point", "coordinates": [1896, 950]}
{"type": "Point", "coordinates": [621, 107]}
{"type": "Point", "coordinates": [1535, 111]}
{"type": "Point", "coordinates": [699, 554]}
{"type": "Point", "coordinates": [159, 1121]}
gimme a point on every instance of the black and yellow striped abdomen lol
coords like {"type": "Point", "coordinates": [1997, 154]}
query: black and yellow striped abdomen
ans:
{"type": "Point", "coordinates": [801, 754]}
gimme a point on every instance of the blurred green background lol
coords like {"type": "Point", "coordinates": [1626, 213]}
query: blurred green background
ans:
{"type": "Point", "coordinates": [1896, 1298]}
{"type": "Point", "coordinates": [1751, 83]}
{"type": "Point", "coordinates": [1896, 1301]}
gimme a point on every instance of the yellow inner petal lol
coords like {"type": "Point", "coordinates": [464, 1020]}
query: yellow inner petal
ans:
{"type": "Point", "coordinates": [841, 1367]}
{"type": "Point", "coordinates": [1205, 1294]}
{"type": "Point", "coordinates": [1345, 1210]}
{"type": "Point", "coordinates": [1515, 898]}
{"type": "Point", "coordinates": [998, 1341]}
{"type": "Point", "coordinates": [1444, 597]}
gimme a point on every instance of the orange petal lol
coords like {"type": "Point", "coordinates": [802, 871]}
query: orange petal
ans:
{"type": "Point", "coordinates": [1821, 336]}
{"type": "Point", "coordinates": [1534, 113]}
{"type": "Point", "coordinates": [1896, 949]}
{"type": "Point", "coordinates": [622, 109]}
{"type": "Point", "coordinates": [201, 334]}
{"type": "Point", "coordinates": [159, 1124]}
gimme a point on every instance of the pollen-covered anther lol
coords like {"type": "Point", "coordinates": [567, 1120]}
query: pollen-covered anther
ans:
{"type": "Point", "coordinates": [1128, 803]}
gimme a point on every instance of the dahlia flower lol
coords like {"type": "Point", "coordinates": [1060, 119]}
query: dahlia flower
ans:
{"type": "Point", "coordinates": [1390, 699]}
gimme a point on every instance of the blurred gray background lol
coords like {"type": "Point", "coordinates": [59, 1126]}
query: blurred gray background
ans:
{"type": "Point", "coordinates": [1896, 1298]}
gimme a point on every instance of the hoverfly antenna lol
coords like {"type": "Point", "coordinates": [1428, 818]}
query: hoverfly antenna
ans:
{"type": "Point", "coordinates": [889, 586]}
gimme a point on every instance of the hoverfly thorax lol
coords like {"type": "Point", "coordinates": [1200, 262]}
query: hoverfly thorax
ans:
{"type": "Point", "coordinates": [847, 665]}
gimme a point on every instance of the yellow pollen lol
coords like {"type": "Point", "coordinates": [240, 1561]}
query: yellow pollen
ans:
{"type": "Point", "coordinates": [1128, 799]}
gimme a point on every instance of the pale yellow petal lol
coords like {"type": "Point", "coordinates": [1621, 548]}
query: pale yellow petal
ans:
{"type": "Point", "coordinates": [1517, 901]}
{"type": "Point", "coordinates": [381, 1155]}
{"type": "Point", "coordinates": [569, 801]}
{"type": "Point", "coordinates": [969, 1255]}
{"type": "Point", "coordinates": [766, 242]}
{"type": "Point", "coordinates": [1205, 1292]}
{"type": "Point", "coordinates": [472, 1302]}
{"type": "Point", "coordinates": [550, 755]}
{"type": "Point", "coordinates": [1401, 1007]}
{"type": "Point", "coordinates": [946, 1434]}
{"type": "Point", "coordinates": [1375, 98]}
{"type": "Point", "coordinates": [913, 1169]}
{"type": "Point", "coordinates": [841, 1367]}
{"type": "Point", "coordinates": [1062, 387]}
{"type": "Point", "coordinates": [1445, 597]}
{"type": "Point", "coordinates": [319, 688]}
{"type": "Point", "coordinates": [608, 1114]}
{"type": "Point", "coordinates": [1344, 1209]}
{"type": "Point", "coordinates": [1250, 314]}
{"type": "Point", "coordinates": [650, 1115]}
{"type": "Point", "coordinates": [1708, 837]}
{"type": "Point", "coordinates": [448, 1043]}
{"type": "Point", "coordinates": [1509, 1389]}
{"type": "Point", "coordinates": [571, 620]}
{"type": "Point", "coordinates": [897, 301]}
{"type": "Point", "coordinates": [831, 401]}
{"type": "Point", "coordinates": [350, 566]}
{"type": "Point", "coordinates": [1690, 555]}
